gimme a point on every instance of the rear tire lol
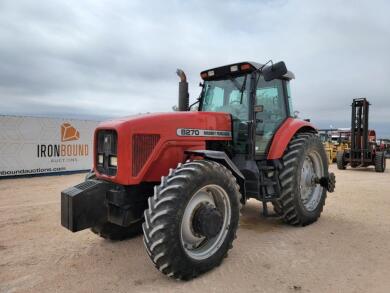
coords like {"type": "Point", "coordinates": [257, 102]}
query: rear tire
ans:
{"type": "Point", "coordinates": [340, 159]}
{"type": "Point", "coordinates": [291, 205]}
{"type": "Point", "coordinates": [170, 236]}
{"type": "Point", "coordinates": [112, 231]}
{"type": "Point", "coordinates": [380, 162]}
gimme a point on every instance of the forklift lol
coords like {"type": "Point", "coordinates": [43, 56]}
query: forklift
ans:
{"type": "Point", "coordinates": [364, 150]}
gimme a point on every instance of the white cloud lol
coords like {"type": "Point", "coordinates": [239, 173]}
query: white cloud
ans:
{"type": "Point", "coordinates": [112, 58]}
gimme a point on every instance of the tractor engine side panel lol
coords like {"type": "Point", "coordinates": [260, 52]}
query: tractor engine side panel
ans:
{"type": "Point", "coordinates": [148, 145]}
{"type": "Point", "coordinates": [284, 134]}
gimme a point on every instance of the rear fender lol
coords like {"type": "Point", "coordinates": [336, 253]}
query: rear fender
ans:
{"type": "Point", "coordinates": [284, 135]}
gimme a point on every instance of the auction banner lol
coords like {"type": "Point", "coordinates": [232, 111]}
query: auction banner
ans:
{"type": "Point", "coordinates": [34, 145]}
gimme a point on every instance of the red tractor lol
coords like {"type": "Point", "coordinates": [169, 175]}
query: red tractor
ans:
{"type": "Point", "coordinates": [183, 176]}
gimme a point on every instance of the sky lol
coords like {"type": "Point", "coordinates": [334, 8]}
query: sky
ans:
{"type": "Point", "coordinates": [102, 59]}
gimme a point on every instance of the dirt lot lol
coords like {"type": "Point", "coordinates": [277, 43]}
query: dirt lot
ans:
{"type": "Point", "coordinates": [347, 250]}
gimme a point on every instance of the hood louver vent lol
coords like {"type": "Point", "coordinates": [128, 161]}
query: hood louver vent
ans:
{"type": "Point", "coordinates": [143, 146]}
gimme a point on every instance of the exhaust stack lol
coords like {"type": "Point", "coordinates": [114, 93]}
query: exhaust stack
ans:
{"type": "Point", "coordinates": [184, 97]}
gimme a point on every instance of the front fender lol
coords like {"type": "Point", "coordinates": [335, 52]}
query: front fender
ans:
{"type": "Point", "coordinates": [222, 158]}
{"type": "Point", "coordinates": [284, 134]}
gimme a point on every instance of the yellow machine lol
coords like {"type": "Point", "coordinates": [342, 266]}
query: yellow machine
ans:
{"type": "Point", "coordinates": [331, 151]}
{"type": "Point", "coordinates": [334, 141]}
{"type": "Point", "coordinates": [342, 146]}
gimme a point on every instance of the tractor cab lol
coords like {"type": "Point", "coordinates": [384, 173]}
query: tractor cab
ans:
{"type": "Point", "coordinates": [259, 102]}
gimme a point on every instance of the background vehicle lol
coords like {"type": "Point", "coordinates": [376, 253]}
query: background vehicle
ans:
{"type": "Point", "coordinates": [334, 140]}
{"type": "Point", "coordinates": [384, 145]}
{"type": "Point", "coordinates": [364, 151]}
{"type": "Point", "coordinates": [187, 173]}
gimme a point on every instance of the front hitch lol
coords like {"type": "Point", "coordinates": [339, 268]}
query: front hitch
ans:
{"type": "Point", "coordinates": [83, 205]}
{"type": "Point", "coordinates": [328, 182]}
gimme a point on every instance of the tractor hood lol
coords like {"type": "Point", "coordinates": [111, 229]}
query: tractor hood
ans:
{"type": "Point", "coordinates": [149, 144]}
{"type": "Point", "coordinates": [162, 122]}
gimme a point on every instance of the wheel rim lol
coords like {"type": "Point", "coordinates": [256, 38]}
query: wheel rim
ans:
{"type": "Point", "coordinates": [310, 192]}
{"type": "Point", "coordinates": [197, 246]}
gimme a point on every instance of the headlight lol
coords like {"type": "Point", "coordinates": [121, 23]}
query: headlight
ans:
{"type": "Point", "coordinates": [113, 161]}
{"type": "Point", "coordinates": [100, 159]}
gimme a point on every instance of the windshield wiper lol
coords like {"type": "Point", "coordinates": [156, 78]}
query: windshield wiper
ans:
{"type": "Point", "coordinates": [201, 95]}
{"type": "Point", "coordinates": [240, 88]}
{"type": "Point", "coordinates": [236, 84]}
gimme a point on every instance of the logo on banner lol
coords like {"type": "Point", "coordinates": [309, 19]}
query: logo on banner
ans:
{"type": "Point", "coordinates": [69, 132]}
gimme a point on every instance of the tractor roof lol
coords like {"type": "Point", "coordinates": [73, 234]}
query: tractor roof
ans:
{"type": "Point", "coordinates": [236, 69]}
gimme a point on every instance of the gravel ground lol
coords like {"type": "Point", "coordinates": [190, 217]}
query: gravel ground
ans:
{"type": "Point", "coordinates": [347, 250]}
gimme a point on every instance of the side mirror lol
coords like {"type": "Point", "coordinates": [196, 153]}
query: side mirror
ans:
{"type": "Point", "coordinates": [274, 71]}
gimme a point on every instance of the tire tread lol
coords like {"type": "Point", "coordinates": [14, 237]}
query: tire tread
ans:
{"type": "Point", "coordinates": [161, 213]}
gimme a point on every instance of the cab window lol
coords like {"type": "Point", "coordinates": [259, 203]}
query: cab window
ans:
{"type": "Point", "coordinates": [271, 112]}
{"type": "Point", "coordinates": [290, 105]}
{"type": "Point", "coordinates": [230, 96]}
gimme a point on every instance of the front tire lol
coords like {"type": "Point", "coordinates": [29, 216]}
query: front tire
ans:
{"type": "Point", "coordinates": [192, 219]}
{"type": "Point", "coordinates": [302, 201]}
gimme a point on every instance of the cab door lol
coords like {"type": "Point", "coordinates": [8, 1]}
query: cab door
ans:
{"type": "Point", "coordinates": [271, 110]}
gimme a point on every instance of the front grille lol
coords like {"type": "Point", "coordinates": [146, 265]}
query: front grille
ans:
{"type": "Point", "coordinates": [107, 146]}
{"type": "Point", "coordinates": [143, 145]}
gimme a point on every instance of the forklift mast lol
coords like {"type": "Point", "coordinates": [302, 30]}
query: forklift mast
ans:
{"type": "Point", "coordinates": [359, 129]}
